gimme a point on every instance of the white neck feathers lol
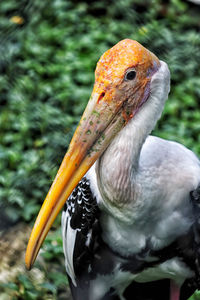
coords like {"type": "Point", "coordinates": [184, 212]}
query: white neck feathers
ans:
{"type": "Point", "coordinates": [117, 167]}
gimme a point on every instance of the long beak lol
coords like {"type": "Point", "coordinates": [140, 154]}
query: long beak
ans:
{"type": "Point", "coordinates": [99, 124]}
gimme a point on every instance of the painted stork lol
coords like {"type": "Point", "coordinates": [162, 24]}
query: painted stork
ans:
{"type": "Point", "coordinates": [131, 225]}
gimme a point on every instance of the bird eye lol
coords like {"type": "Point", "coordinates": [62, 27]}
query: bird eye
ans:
{"type": "Point", "coordinates": [130, 75]}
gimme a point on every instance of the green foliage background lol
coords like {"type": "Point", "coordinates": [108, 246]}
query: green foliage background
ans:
{"type": "Point", "coordinates": [47, 67]}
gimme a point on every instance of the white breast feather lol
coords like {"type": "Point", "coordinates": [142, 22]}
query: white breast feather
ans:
{"type": "Point", "coordinates": [69, 238]}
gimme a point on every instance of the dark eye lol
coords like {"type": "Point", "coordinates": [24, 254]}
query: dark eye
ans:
{"type": "Point", "coordinates": [130, 75]}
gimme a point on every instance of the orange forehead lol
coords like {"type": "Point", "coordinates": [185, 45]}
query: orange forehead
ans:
{"type": "Point", "coordinates": [125, 54]}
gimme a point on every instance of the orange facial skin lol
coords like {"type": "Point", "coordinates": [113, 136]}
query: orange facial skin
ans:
{"type": "Point", "coordinates": [124, 55]}
{"type": "Point", "coordinates": [114, 101]}
{"type": "Point", "coordinates": [110, 71]}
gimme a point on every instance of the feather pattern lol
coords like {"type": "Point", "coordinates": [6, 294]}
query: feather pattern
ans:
{"type": "Point", "coordinates": [78, 223]}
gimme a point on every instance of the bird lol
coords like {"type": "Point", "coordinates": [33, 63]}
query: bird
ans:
{"type": "Point", "coordinates": [130, 223]}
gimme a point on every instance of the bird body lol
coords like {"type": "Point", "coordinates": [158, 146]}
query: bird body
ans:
{"type": "Point", "coordinates": [137, 241]}
{"type": "Point", "coordinates": [133, 218]}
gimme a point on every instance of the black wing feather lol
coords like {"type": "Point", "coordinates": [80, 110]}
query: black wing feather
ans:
{"type": "Point", "coordinates": [83, 213]}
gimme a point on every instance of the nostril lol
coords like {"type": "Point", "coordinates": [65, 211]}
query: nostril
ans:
{"type": "Point", "coordinates": [101, 97]}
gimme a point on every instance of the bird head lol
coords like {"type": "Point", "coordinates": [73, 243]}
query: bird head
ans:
{"type": "Point", "coordinates": [122, 85]}
{"type": "Point", "coordinates": [122, 78]}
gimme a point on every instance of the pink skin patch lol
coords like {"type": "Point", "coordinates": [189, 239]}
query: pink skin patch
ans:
{"type": "Point", "coordinates": [174, 291]}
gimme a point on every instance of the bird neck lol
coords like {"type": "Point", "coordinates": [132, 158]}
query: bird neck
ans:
{"type": "Point", "coordinates": [117, 168]}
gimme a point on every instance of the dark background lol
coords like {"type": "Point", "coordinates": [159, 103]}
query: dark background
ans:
{"type": "Point", "coordinates": [48, 53]}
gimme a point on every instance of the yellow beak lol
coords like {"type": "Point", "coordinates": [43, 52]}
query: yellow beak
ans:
{"type": "Point", "coordinates": [99, 124]}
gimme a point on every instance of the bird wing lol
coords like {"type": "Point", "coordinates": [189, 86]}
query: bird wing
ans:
{"type": "Point", "coordinates": [79, 229]}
